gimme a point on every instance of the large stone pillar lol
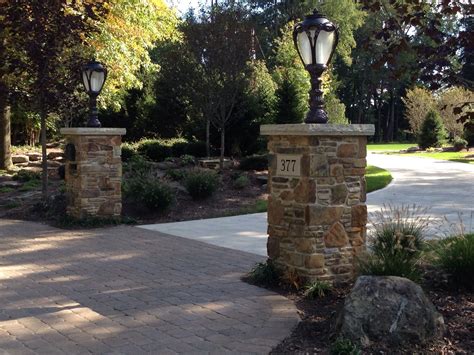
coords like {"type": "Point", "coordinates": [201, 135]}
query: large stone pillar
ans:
{"type": "Point", "coordinates": [317, 214]}
{"type": "Point", "coordinates": [93, 171]}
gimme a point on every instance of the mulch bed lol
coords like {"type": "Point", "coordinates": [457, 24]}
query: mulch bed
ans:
{"type": "Point", "coordinates": [315, 333]}
{"type": "Point", "coordinates": [226, 201]}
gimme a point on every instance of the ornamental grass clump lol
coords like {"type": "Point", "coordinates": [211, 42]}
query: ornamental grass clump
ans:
{"type": "Point", "coordinates": [396, 242]}
{"type": "Point", "coordinates": [456, 256]}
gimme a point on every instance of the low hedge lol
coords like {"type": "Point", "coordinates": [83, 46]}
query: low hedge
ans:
{"type": "Point", "coordinates": [160, 149]}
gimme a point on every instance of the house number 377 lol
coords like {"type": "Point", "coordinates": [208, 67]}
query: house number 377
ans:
{"type": "Point", "coordinates": [287, 165]}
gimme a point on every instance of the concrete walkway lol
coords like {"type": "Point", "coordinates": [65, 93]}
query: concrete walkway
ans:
{"type": "Point", "coordinates": [447, 188]}
{"type": "Point", "coordinates": [126, 290]}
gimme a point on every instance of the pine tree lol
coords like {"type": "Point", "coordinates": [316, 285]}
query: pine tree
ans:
{"type": "Point", "coordinates": [432, 132]}
{"type": "Point", "coordinates": [287, 103]}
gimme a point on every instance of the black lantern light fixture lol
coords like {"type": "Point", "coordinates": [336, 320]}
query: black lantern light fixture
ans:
{"type": "Point", "coordinates": [315, 40]}
{"type": "Point", "coordinates": [93, 78]}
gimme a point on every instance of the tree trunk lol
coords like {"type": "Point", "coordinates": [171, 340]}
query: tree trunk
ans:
{"type": "Point", "coordinates": [44, 163]}
{"type": "Point", "coordinates": [5, 135]}
{"type": "Point", "coordinates": [379, 121]}
{"type": "Point", "coordinates": [208, 135]}
{"type": "Point", "coordinates": [221, 159]}
{"type": "Point", "coordinates": [391, 126]}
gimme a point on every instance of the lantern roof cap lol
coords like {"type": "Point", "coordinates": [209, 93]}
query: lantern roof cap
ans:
{"type": "Point", "coordinates": [314, 19]}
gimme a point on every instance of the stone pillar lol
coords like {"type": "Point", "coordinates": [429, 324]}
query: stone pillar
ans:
{"type": "Point", "coordinates": [93, 171]}
{"type": "Point", "coordinates": [317, 214]}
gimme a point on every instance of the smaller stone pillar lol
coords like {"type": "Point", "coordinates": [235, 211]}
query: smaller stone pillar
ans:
{"type": "Point", "coordinates": [317, 214]}
{"type": "Point", "coordinates": [93, 171]}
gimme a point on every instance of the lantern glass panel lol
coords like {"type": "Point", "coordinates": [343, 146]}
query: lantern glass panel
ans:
{"type": "Point", "coordinates": [97, 80]}
{"type": "Point", "coordinates": [304, 46]}
{"type": "Point", "coordinates": [85, 79]}
{"type": "Point", "coordinates": [324, 46]}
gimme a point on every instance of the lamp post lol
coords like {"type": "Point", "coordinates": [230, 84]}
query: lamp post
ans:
{"type": "Point", "coordinates": [93, 78]}
{"type": "Point", "coordinates": [315, 40]}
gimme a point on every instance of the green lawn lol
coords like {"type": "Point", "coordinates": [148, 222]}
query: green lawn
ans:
{"type": "Point", "coordinates": [389, 147]}
{"type": "Point", "coordinates": [460, 157]}
{"type": "Point", "coordinates": [377, 178]}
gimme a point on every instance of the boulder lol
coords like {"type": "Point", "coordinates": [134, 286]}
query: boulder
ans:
{"type": "Point", "coordinates": [388, 309]}
{"type": "Point", "coordinates": [55, 154]}
{"type": "Point", "coordinates": [34, 156]}
{"type": "Point", "coordinates": [20, 158]}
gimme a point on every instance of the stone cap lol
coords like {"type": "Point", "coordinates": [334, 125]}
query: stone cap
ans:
{"type": "Point", "coordinates": [90, 131]}
{"type": "Point", "coordinates": [325, 129]}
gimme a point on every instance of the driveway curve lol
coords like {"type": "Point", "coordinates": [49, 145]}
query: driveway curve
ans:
{"type": "Point", "coordinates": [445, 188]}
{"type": "Point", "coordinates": [125, 290]}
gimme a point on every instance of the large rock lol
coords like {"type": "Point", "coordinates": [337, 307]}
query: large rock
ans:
{"type": "Point", "coordinates": [389, 309]}
{"type": "Point", "coordinates": [20, 158]}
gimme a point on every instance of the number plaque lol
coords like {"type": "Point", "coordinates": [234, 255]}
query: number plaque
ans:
{"type": "Point", "coordinates": [288, 165]}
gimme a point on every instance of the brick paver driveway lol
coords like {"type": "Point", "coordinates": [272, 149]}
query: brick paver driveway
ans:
{"type": "Point", "coordinates": [128, 290]}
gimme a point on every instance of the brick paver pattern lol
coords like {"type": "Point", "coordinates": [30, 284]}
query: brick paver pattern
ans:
{"type": "Point", "coordinates": [126, 290]}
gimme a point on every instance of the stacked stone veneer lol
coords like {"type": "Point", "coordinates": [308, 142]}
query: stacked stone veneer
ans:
{"type": "Point", "coordinates": [317, 221]}
{"type": "Point", "coordinates": [94, 175]}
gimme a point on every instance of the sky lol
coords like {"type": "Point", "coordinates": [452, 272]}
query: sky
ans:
{"type": "Point", "coordinates": [184, 5]}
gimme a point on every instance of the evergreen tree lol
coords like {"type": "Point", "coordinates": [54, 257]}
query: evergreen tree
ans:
{"type": "Point", "coordinates": [288, 103]}
{"type": "Point", "coordinates": [432, 132]}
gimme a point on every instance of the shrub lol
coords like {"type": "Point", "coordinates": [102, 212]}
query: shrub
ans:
{"type": "Point", "coordinates": [201, 184]}
{"type": "Point", "coordinates": [459, 144]}
{"type": "Point", "coordinates": [187, 159]}
{"type": "Point", "coordinates": [317, 289]}
{"type": "Point", "coordinates": [154, 149]}
{"type": "Point", "coordinates": [179, 147]}
{"type": "Point", "coordinates": [456, 256]}
{"type": "Point", "coordinates": [265, 273]}
{"type": "Point", "coordinates": [432, 132]}
{"type": "Point", "coordinates": [469, 133]}
{"type": "Point", "coordinates": [344, 346]}
{"type": "Point", "coordinates": [241, 182]}
{"type": "Point", "coordinates": [254, 162]}
{"type": "Point", "coordinates": [396, 242]}
{"type": "Point", "coordinates": [138, 166]}
{"type": "Point", "coordinates": [26, 175]}
{"type": "Point", "coordinates": [128, 151]}
{"type": "Point", "coordinates": [196, 148]}
{"type": "Point", "coordinates": [150, 192]}
{"type": "Point", "coordinates": [176, 174]}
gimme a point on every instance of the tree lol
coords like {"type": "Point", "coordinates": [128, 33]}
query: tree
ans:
{"type": "Point", "coordinates": [432, 133]}
{"type": "Point", "coordinates": [449, 100]}
{"type": "Point", "coordinates": [45, 36]}
{"type": "Point", "coordinates": [221, 43]}
{"type": "Point", "coordinates": [123, 40]}
{"type": "Point", "coordinates": [418, 102]}
{"type": "Point", "coordinates": [288, 105]}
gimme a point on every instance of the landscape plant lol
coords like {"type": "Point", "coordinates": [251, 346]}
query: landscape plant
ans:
{"type": "Point", "coordinates": [241, 182]}
{"type": "Point", "coordinates": [459, 144]}
{"type": "Point", "coordinates": [343, 346]}
{"type": "Point", "coordinates": [317, 289]}
{"type": "Point", "coordinates": [265, 273]}
{"type": "Point", "coordinates": [152, 193]}
{"type": "Point", "coordinates": [432, 133]}
{"type": "Point", "coordinates": [396, 242]}
{"type": "Point", "coordinates": [456, 256]}
{"type": "Point", "coordinates": [201, 184]}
